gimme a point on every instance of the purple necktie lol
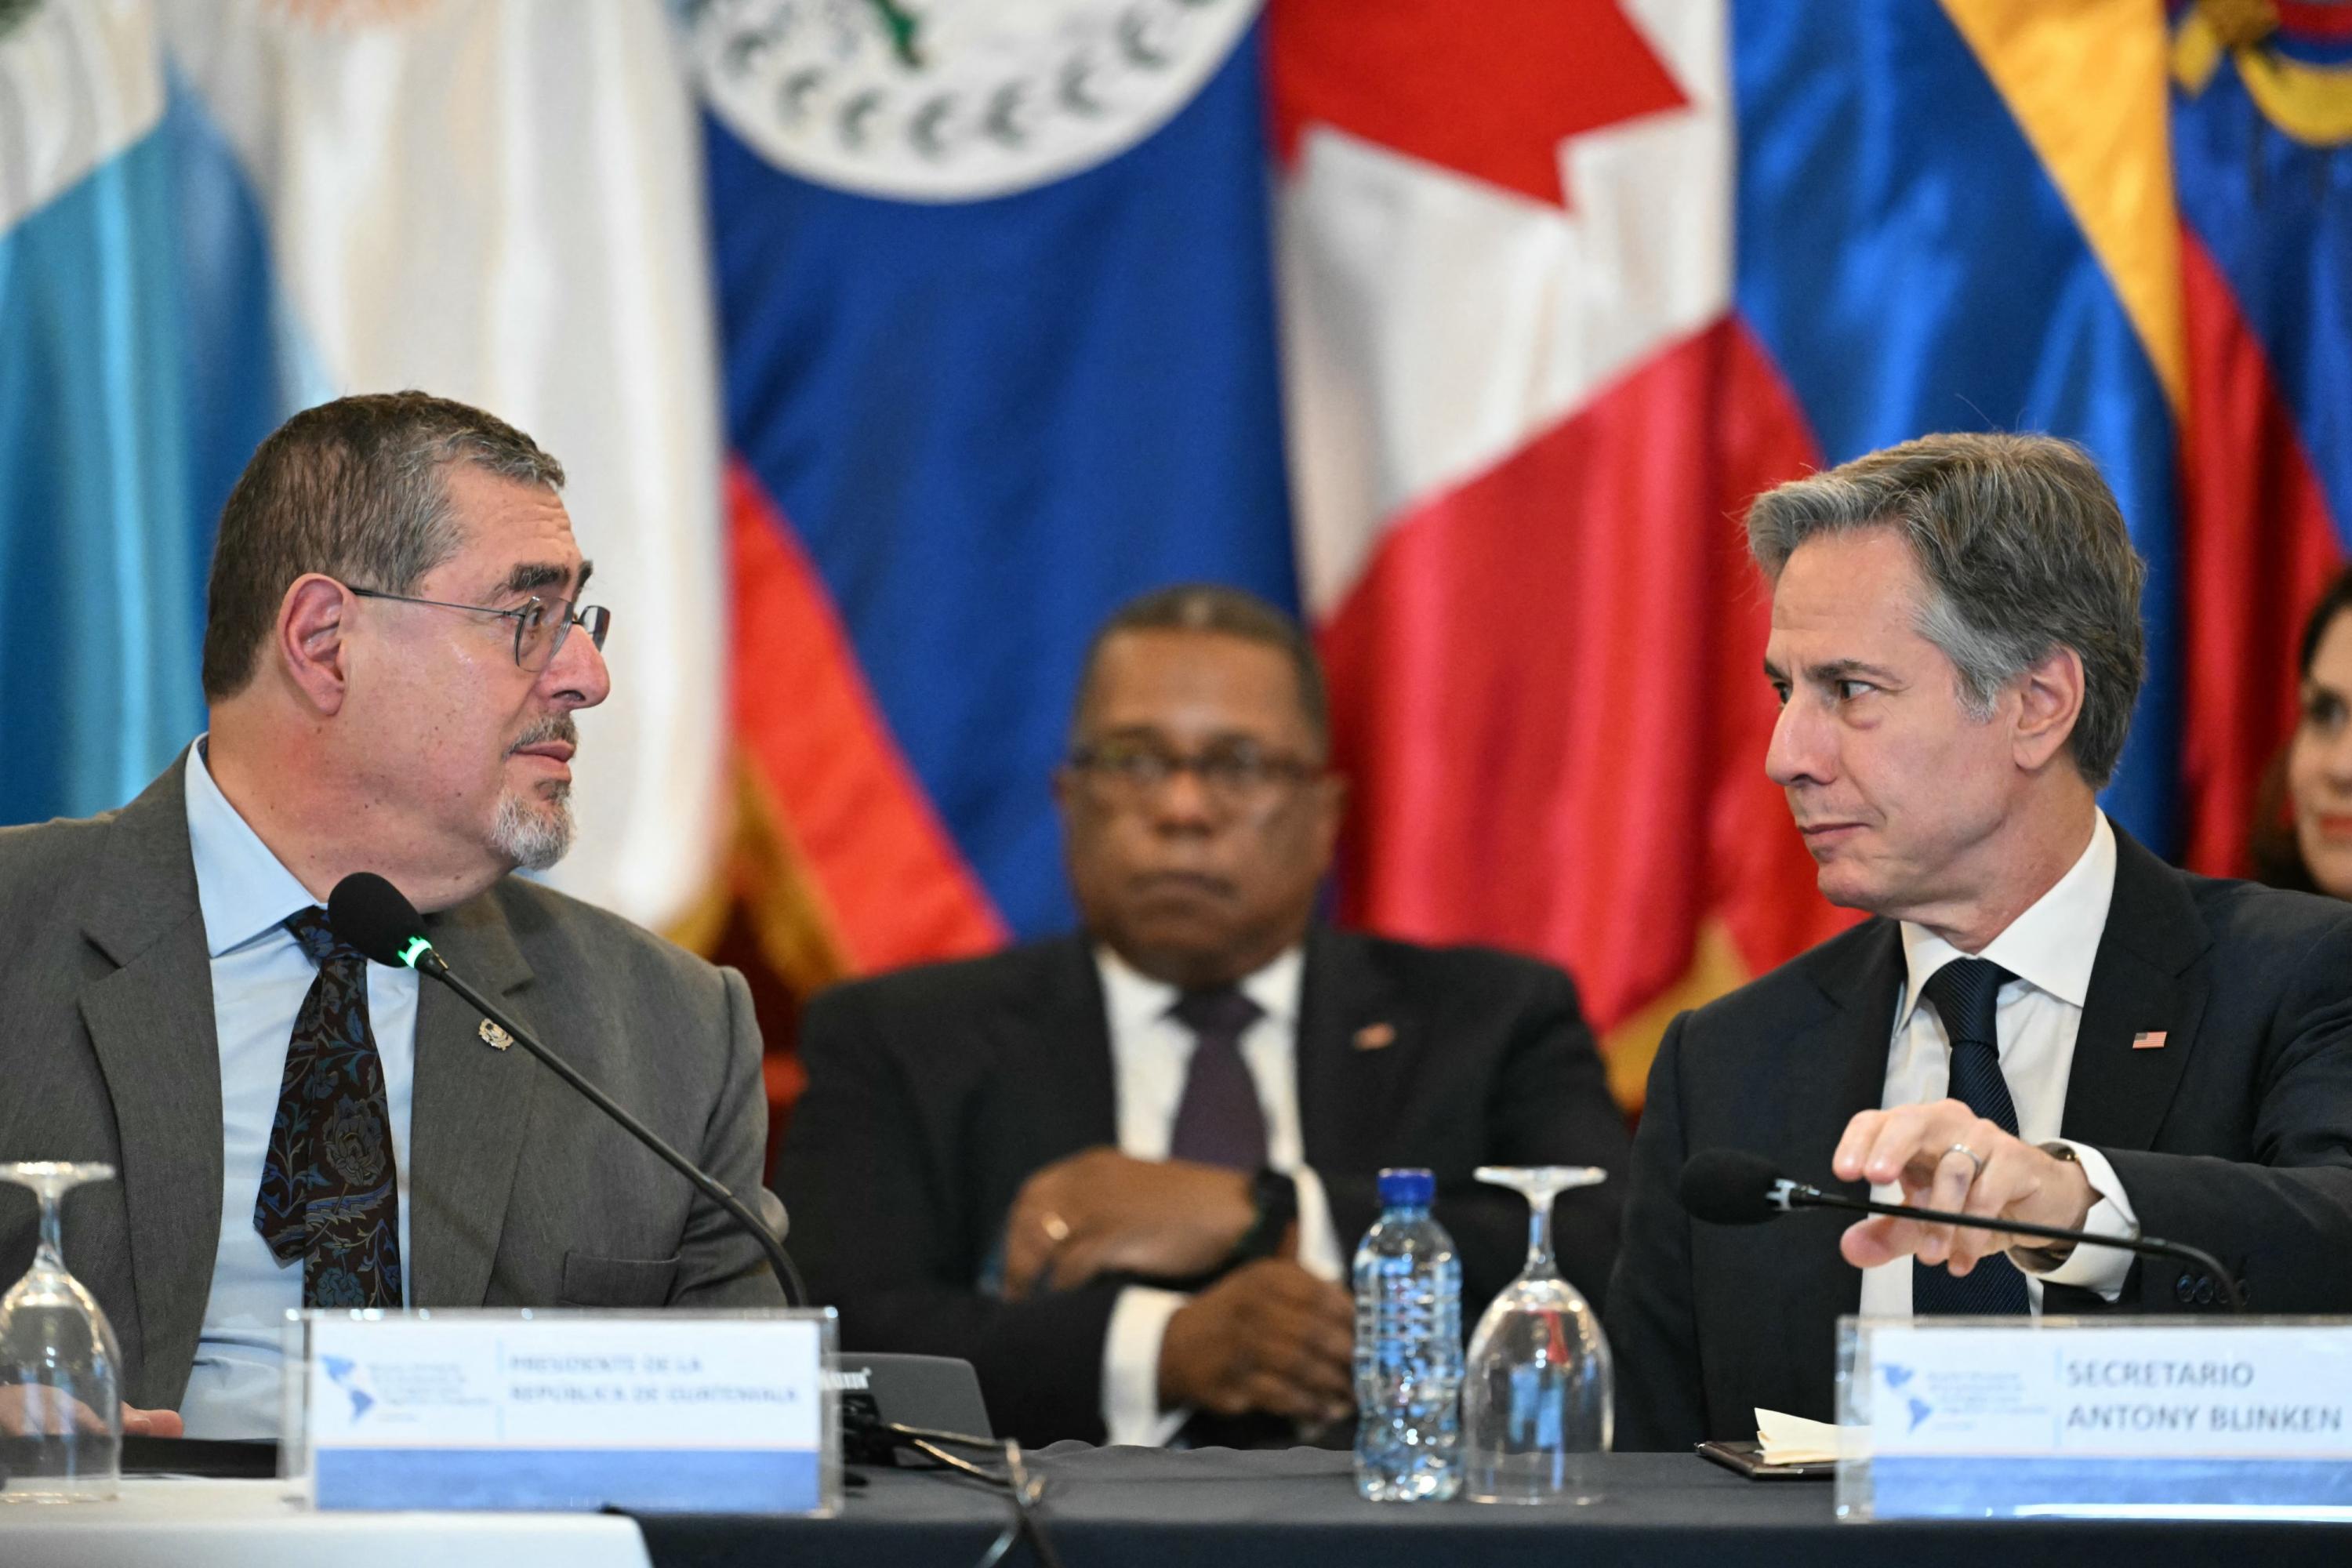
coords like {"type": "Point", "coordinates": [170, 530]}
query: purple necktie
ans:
{"type": "Point", "coordinates": [1219, 1122]}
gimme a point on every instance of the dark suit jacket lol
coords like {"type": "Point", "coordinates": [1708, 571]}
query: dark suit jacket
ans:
{"type": "Point", "coordinates": [2235, 1136]}
{"type": "Point", "coordinates": [520, 1192]}
{"type": "Point", "coordinates": [933, 1094]}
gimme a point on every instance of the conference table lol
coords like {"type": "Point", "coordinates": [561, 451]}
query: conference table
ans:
{"type": "Point", "coordinates": [1138, 1508]}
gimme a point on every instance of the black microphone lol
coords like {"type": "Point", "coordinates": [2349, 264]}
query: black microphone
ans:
{"type": "Point", "coordinates": [376, 917]}
{"type": "Point", "coordinates": [1731, 1186]}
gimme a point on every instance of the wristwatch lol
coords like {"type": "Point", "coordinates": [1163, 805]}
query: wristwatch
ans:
{"type": "Point", "coordinates": [2043, 1259]}
{"type": "Point", "coordinates": [1275, 1196]}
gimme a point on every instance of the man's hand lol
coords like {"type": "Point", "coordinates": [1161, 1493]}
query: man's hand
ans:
{"type": "Point", "coordinates": [23, 1415]}
{"type": "Point", "coordinates": [1099, 1212]}
{"type": "Point", "coordinates": [1268, 1336]}
{"type": "Point", "coordinates": [1927, 1150]}
{"type": "Point", "coordinates": [152, 1424]}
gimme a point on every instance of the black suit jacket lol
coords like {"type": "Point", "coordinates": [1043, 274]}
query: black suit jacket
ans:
{"type": "Point", "coordinates": [934, 1093]}
{"type": "Point", "coordinates": [2235, 1136]}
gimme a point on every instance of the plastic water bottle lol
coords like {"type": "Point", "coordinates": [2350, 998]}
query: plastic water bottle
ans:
{"type": "Point", "coordinates": [1408, 1348]}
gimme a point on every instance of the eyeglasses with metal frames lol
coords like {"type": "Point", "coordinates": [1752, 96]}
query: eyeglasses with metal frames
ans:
{"type": "Point", "coordinates": [540, 626]}
{"type": "Point", "coordinates": [1233, 773]}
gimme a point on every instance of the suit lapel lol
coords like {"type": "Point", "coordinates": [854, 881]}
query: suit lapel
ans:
{"type": "Point", "coordinates": [1838, 1072]}
{"type": "Point", "coordinates": [471, 1110]}
{"type": "Point", "coordinates": [1057, 1032]}
{"type": "Point", "coordinates": [150, 1025]}
{"type": "Point", "coordinates": [1355, 1050]}
{"type": "Point", "coordinates": [2149, 975]}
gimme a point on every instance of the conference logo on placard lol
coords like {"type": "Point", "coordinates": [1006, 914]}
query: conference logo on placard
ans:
{"type": "Point", "coordinates": [953, 101]}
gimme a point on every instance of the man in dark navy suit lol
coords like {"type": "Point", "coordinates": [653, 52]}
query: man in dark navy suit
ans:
{"type": "Point", "coordinates": [1122, 1171]}
{"type": "Point", "coordinates": [2045, 1023]}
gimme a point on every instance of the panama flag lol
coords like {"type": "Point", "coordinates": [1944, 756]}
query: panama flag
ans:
{"type": "Point", "coordinates": [246, 207]}
{"type": "Point", "coordinates": [1564, 283]}
{"type": "Point", "coordinates": [997, 310]}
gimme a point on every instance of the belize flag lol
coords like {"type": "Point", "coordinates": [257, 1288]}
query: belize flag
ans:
{"type": "Point", "coordinates": [996, 307]}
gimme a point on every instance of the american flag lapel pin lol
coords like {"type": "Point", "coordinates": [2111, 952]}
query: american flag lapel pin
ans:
{"type": "Point", "coordinates": [2148, 1040]}
{"type": "Point", "coordinates": [1374, 1036]}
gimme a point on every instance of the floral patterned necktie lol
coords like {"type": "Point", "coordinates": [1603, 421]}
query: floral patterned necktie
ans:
{"type": "Point", "coordinates": [328, 1196]}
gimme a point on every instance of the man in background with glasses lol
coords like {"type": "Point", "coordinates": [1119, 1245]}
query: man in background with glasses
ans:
{"type": "Point", "coordinates": [393, 652]}
{"type": "Point", "coordinates": [1122, 1171]}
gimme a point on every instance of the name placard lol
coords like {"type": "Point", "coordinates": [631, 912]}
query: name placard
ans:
{"type": "Point", "coordinates": [2111, 1418]}
{"type": "Point", "coordinates": [535, 1409]}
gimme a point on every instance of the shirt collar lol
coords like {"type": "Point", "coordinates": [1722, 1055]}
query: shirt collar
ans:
{"type": "Point", "coordinates": [2052, 946]}
{"type": "Point", "coordinates": [244, 891]}
{"type": "Point", "coordinates": [1135, 1000]}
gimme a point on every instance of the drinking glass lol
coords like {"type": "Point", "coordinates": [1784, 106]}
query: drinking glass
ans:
{"type": "Point", "coordinates": [60, 1406]}
{"type": "Point", "coordinates": [1536, 1390]}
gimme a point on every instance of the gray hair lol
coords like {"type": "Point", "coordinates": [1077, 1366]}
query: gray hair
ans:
{"type": "Point", "coordinates": [1230, 612]}
{"type": "Point", "coordinates": [2024, 550]}
{"type": "Point", "coordinates": [352, 489]}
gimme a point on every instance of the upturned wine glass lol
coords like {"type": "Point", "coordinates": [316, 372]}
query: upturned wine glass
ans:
{"type": "Point", "coordinates": [1536, 1396]}
{"type": "Point", "coordinates": [60, 1402]}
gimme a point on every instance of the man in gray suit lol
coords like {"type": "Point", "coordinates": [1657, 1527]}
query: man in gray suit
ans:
{"type": "Point", "coordinates": [392, 664]}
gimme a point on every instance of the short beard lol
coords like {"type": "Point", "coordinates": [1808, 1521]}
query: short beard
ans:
{"type": "Point", "coordinates": [534, 837]}
{"type": "Point", "coordinates": [534, 834]}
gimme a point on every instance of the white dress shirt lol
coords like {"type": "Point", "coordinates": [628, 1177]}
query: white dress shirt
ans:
{"type": "Point", "coordinates": [260, 975]}
{"type": "Point", "coordinates": [2050, 949]}
{"type": "Point", "coordinates": [1150, 1056]}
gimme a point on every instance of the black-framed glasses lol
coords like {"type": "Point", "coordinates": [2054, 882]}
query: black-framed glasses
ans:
{"type": "Point", "coordinates": [1235, 775]}
{"type": "Point", "coordinates": [540, 627]}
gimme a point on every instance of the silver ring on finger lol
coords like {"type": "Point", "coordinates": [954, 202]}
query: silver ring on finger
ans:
{"type": "Point", "coordinates": [1972, 1154]}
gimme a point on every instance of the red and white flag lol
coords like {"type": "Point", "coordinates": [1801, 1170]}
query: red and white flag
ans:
{"type": "Point", "coordinates": [1523, 423]}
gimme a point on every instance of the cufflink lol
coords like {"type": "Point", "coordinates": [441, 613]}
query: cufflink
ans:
{"type": "Point", "coordinates": [498, 1040]}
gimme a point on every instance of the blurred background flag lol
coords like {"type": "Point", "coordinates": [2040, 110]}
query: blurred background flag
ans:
{"type": "Point", "coordinates": [1566, 281]}
{"type": "Point", "coordinates": [103, 540]}
{"type": "Point", "coordinates": [996, 307]}
{"type": "Point", "coordinates": [221, 211]}
{"type": "Point", "coordinates": [2261, 121]}
{"type": "Point", "coordinates": [892, 342]}
{"type": "Point", "coordinates": [1523, 415]}
{"type": "Point", "coordinates": [500, 202]}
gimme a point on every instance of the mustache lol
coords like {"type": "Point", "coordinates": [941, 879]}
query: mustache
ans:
{"type": "Point", "coordinates": [554, 726]}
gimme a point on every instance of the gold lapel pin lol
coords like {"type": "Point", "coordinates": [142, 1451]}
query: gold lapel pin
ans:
{"type": "Point", "coordinates": [498, 1040]}
{"type": "Point", "coordinates": [2148, 1040]}
{"type": "Point", "coordinates": [1375, 1036]}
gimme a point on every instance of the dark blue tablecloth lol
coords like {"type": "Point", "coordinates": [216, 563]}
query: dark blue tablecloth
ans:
{"type": "Point", "coordinates": [1140, 1508]}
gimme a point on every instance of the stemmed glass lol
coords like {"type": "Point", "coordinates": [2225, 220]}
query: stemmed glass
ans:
{"type": "Point", "coordinates": [1535, 1395]}
{"type": "Point", "coordinates": [60, 1408]}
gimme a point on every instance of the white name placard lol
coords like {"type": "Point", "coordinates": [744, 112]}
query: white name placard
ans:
{"type": "Point", "coordinates": [550, 1409]}
{"type": "Point", "coordinates": [2127, 1416]}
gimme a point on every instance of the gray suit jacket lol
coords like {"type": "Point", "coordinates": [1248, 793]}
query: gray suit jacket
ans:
{"type": "Point", "coordinates": [520, 1192]}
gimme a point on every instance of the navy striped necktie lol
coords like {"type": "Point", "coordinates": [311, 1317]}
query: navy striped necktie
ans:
{"type": "Point", "coordinates": [1965, 993]}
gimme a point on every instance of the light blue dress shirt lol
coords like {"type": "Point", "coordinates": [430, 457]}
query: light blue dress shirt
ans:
{"type": "Point", "coordinates": [259, 978]}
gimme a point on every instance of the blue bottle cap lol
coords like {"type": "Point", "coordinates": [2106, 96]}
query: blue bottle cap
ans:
{"type": "Point", "coordinates": [1411, 1188]}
